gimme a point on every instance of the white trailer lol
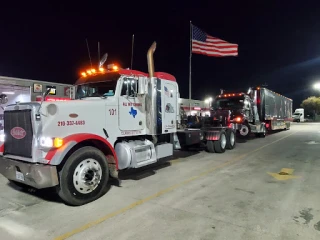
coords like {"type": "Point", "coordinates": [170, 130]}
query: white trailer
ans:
{"type": "Point", "coordinates": [298, 115]}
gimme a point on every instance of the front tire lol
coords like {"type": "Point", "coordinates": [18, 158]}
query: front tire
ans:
{"type": "Point", "coordinates": [245, 130]}
{"type": "Point", "coordinates": [84, 177]}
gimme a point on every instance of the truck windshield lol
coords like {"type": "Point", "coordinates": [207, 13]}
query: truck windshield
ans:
{"type": "Point", "coordinates": [96, 89]}
{"type": "Point", "coordinates": [228, 103]}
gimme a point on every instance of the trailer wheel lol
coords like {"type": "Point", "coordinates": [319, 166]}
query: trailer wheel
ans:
{"type": "Point", "coordinates": [220, 145]}
{"type": "Point", "coordinates": [264, 132]}
{"type": "Point", "coordinates": [84, 177]}
{"type": "Point", "coordinates": [210, 146]}
{"type": "Point", "coordinates": [231, 139]}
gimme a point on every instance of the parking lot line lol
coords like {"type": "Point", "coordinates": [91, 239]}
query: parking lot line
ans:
{"type": "Point", "coordinates": [162, 192]}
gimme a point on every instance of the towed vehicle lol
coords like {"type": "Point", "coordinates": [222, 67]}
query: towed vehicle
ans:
{"type": "Point", "coordinates": [257, 111]}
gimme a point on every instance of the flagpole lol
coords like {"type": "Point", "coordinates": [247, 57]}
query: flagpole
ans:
{"type": "Point", "coordinates": [190, 67]}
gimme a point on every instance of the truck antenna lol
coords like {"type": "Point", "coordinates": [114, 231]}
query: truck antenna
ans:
{"type": "Point", "coordinates": [98, 52]}
{"type": "Point", "coordinates": [89, 52]}
{"type": "Point", "coordinates": [132, 44]}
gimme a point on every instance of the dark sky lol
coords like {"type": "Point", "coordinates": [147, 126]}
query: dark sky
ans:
{"type": "Point", "coordinates": [279, 41]}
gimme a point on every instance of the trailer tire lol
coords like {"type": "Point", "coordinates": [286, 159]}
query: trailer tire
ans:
{"type": "Point", "coordinates": [263, 133]}
{"type": "Point", "coordinates": [210, 146]}
{"type": "Point", "coordinates": [231, 139]}
{"type": "Point", "coordinates": [220, 145]}
{"type": "Point", "coordinates": [89, 165]}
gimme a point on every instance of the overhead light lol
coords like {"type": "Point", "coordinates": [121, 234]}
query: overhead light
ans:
{"type": "Point", "coordinates": [9, 93]}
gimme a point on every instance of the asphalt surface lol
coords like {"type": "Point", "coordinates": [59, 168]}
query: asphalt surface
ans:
{"type": "Point", "coordinates": [236, 195]}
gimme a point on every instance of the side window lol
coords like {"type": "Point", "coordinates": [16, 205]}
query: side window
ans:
{"type": "Point", "coordinates": [124, 90]}
{"type": "Point", "coordinates": [129, 87]}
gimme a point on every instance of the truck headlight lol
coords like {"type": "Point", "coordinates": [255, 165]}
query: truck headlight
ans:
{"type": "Point", "coordinates": [51, 142]}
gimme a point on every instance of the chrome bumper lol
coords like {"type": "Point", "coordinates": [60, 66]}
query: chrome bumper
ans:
{"type": "Point", "coordinates": [32, 174]}
{"type": "Point", "coordinates": [235, 126]}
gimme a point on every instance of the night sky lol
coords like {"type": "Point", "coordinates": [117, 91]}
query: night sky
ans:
{"type": "Point", "coordinates": [279, 43]}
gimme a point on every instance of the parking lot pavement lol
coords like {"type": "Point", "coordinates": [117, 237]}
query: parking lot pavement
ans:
{"type": "Point", "coordinates": [263, 189]}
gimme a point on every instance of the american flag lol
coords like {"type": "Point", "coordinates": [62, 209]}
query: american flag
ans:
{"type": "Point", "coordinates": [205, 44]}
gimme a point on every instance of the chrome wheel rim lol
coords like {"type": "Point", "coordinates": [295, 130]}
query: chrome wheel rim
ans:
{"type": "Point", "coordinates": [244, 130]}
{"type": "Point", "coordinates": [223, 141]}
{"type": "Point", "coordinates": [232, 138]}
{"type": "Point", "coordinates": [87, 176]}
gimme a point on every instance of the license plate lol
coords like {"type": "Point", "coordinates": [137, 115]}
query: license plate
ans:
{"type": "Point", "coordinates": [19, 176]}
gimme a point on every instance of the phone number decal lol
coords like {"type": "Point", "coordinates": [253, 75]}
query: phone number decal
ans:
{"type": "Point", "coordinates": [71, 123]}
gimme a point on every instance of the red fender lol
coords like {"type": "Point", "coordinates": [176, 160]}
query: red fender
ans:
{"type": "Point", "coordinates": [79, 137]}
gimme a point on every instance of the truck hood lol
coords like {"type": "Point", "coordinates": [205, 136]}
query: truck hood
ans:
{"type": "Point", "coordinates": [60, 119]}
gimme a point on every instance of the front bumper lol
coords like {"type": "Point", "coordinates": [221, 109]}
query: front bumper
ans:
{"type": "Point", "coordinates": [235, 126]}
{"type": "Point", "coordinates": [34, 175]}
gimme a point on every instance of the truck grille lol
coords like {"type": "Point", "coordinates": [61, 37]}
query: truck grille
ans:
{"type": "Point", "coordinates": [18, 133]}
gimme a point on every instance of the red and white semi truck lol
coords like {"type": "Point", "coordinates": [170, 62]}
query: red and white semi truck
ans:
{"type": "Point", "coordinates": [119, 119]}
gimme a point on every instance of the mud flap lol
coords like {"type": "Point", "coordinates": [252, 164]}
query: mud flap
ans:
{"type": "Point", "coordinates": [176, 143]}
{"type": "Point", "coordinates": [114, 173]}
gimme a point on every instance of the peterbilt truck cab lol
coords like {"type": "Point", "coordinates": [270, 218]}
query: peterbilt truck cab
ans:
{"type": "Point", "coordinates": [243, 112]}
{"type": "Point", "coordinates": [118, 120]}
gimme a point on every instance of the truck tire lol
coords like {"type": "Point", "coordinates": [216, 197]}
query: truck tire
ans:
{"type": "Point", "coordinates": [84, 177]}
{"type": "Point", "coordinates": [231, 139]}
{"type": "Point", "coordinates": [220, 145]}
{"type": "Point", "coordinates": [210, 147]}
{"type": "Point", "coordinates": [263, 133]}
{"type": "Point", "coordinates": [245, 130]}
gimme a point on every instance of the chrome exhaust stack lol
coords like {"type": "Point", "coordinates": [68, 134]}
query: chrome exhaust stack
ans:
{"type": "Point", "coordinates": [151, 97]}
{"type": "Point", "coordinates": [151, 50]}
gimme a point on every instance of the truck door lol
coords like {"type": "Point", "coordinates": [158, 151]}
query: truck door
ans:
{"type": "Point", "coordinates": [169, 106]}
{"type": "Point", "coordinates": [131, 107]}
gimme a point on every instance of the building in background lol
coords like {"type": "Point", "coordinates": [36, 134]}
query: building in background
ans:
{"type": "Point", "coordinates": [199, 108]}
{"type": "Point", "coordinates": [25, 90]}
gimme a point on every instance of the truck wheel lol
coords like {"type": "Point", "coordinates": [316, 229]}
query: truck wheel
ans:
{"type": "Point", "coordinates": [84, 177]}
{"type": "Point", "coordinates": [220, 145]}
{"type": "Point", "coordinates": [231, 139]}
{"type": "Point", "coordinates": [245, 130]}
{"type": "Point", "coordinates": [264, 132]}
{"type": "Point", "coordinates": [210, 146]}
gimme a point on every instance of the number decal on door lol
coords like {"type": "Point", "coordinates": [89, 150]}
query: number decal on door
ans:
{"type": "Point", "coordinates": [113, 111]}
